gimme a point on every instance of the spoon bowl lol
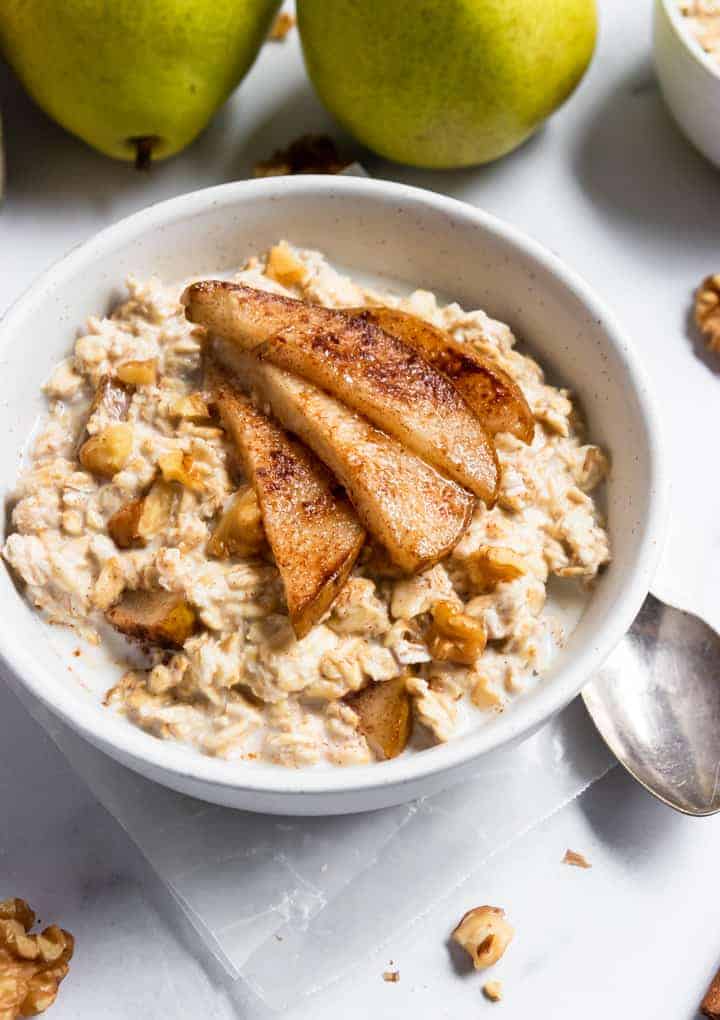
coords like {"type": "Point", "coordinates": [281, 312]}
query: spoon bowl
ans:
{"type": "Point", "coordinates": [656, 703]}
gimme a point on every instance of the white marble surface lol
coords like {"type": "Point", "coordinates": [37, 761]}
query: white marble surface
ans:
{"type": "Point", "coordinates": [614, 189]}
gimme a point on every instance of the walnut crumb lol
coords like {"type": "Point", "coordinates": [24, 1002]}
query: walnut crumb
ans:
{"type": "Point", "coordinates": [576, 860]}
{"type": "Point", "coordinates": [310, 154]}
{"type": "Point", "coordinates": [391, 976]}
{"type": "Point", "coordinates": [281, 26]}
{"type": "Point", "coordinates": [707, 310]}
{"type": "Point", "coordinates": [484, 933]}
{"type": "Point", "coordinates": [32, 965]}
{"type": "Point", "coordinates": [493, 990]}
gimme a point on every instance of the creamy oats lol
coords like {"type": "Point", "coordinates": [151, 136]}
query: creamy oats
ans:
{"type": "Point", "coordinates": [243, 687]}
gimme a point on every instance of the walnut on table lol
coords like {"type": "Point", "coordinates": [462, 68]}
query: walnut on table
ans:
{"type": "Point", "coordinates": [309, 154]}
{"type": "Point", "coordinates": [492, 990]}
{"type": "Point", "coordinates": [484, 933]}
{"type": "Point", "coordinates": [32, 965]}
{"type": "Point", "coordinates": [707, 310]}
{"type": "Point", "coordinates": [576, 860]}
{"type": "Point", "coordinates": [281, 26]}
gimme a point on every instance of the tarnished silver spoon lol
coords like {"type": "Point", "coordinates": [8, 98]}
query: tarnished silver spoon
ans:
{"type": "Point", "coordinates": [656, 703]}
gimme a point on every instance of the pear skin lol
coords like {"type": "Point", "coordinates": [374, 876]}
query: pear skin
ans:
{"type": "Point", "coordinates": [138, 81]}
{"type": "Point", "coordinates": [445, 83]}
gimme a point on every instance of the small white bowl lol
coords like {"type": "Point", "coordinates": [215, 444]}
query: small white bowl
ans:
{"type": "Point", "coordinates": [393, 232]}
{"type": "Point", "coordinates": [689, 79]}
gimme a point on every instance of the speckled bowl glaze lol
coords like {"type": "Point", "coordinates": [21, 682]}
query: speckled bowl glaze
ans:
{"type": "Point", "coordinates": [390, 231]}
{"type": "Point", "coordinates": [689, 79]}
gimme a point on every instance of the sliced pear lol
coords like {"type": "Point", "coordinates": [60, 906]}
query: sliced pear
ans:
{"type": "Point", "coordinates": [403, 502]}
{"type": "Point", "coordinates": [490, 392]}
{"type": "Point", "coordinates": [360, 364]}
{"type": "Point", "coordinates": [311, 527]}
{"type": "Point", "coordinates": [385, 716]}
{"type": "Point", "coordinates": [157, 617]}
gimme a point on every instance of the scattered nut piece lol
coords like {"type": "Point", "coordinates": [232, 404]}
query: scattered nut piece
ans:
{"type": "Point", "coordinates": [281, 26]}
{"type": "Point", "coordinates": [710, 1006]}
{"type": "Point", "coordinates": [107, 452]}
{"type": "Point", "coordinates": [484, 934]}
{"type": "Point", "coordinates": [492, 990]}
{"type": "Point", "coordinates": [310, 154]}
{"type": "Point", "coordinates": [284, 266]}
{"type": "Point", "coordinates": [177, 466]}
{"type": "Point", "coordinates": [576, 860]}
{"type": "Point", "coordinates": [138, 373]}
{"type": "Point", "coordinates": [391, 976]}
{"type": "Point", "coordinates": [491, 565]}
{"type": "Point", "coordinates": [31, 965]}
{"type": "Point", "coordinates": [239, 532]}
{"type": "Point", "coordinates": [192, 407]}
{"type": "Point", "coordinates": [707, 310]}
{"type": "Point", "coordinates": [453, 636]}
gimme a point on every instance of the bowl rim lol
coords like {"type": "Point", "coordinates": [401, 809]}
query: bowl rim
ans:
{"type": "Point", "coordinates": [688, 40]}
{"type": "Point", "coordinates": [140, 750]}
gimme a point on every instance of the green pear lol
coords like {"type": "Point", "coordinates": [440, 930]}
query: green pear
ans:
{"type": "Point", "coordinates": [136, 79]}
{"type": "Point", "coordinates": [445, 83]}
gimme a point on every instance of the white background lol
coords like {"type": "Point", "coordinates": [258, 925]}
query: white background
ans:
{"type": "Point", "coordinates": [611, 186]}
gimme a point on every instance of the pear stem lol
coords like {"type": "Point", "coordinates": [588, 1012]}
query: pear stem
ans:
{"type": "Point", "coordinates": [143, 151]}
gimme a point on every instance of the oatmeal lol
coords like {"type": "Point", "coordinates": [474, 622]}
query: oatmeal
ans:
{"type": "Point", "coordinates": [703, 19]}
{"type": "Point", "coordinates": [135, 511]}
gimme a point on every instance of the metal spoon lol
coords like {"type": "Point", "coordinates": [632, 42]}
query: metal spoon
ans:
{"type": "Point", "coordinates": [656, 703]}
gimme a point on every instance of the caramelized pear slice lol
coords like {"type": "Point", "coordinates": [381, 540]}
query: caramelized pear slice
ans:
{"type": "Point", "coordinates": [360, 364]}
{"type": "Point", "coordinates": [311, 527]}
{"type": "Point", "coordinates": [490, 392]}
{"type": "Point", "coordinates": [385, 716]}
{"type": "Point", "coordinates": [403, 502]}
{"type": "Point", "coordinates": [157, 617]}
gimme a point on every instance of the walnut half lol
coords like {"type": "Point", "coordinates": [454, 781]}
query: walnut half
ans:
{"type": "Point", "coordinates": [707, 310]}
{"type": "Point", "coordinates": [453, 636]}
{"type": "Point", "coordinates": [31, 965]}
{"type": "Point", "coordinates": [484, 933]}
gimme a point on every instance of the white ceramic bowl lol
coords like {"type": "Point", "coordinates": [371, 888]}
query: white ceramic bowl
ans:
{"type": "Point", "coordinates": [689, 79]}
{"type": "Point", "coordinates": [386, 230]}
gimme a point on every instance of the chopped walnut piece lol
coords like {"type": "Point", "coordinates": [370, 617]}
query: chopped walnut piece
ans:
{"type": "Point", "coordinates": [239, 532]}
{"type": "Point", "coordinates": [576, 860]}
{"type": "Point", "coordinates": [310, 154]}
{"type": "Point", "coordinates": [281, 26]}
{"type": "Point", "coordinates": [484, 934]}
{"type": "Point", "coordinates": [707, 310]}
{"type": "Point", "coordinates": [107, 452]}
{"type": "Point", "coordinates": [177, 466]}
{"type": "Point", "coordinates": [32, 965]}
{"type": "Point", "coordinates": [492, 990]}
{"type": "Point", "coordinates": [491, 565]}
{"type": "Point", "coordinates": [138, 373]}
{"type": "Point", "coordinates": [453, 636]}
{"type": "Point", "coordinates": [391, 976]}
